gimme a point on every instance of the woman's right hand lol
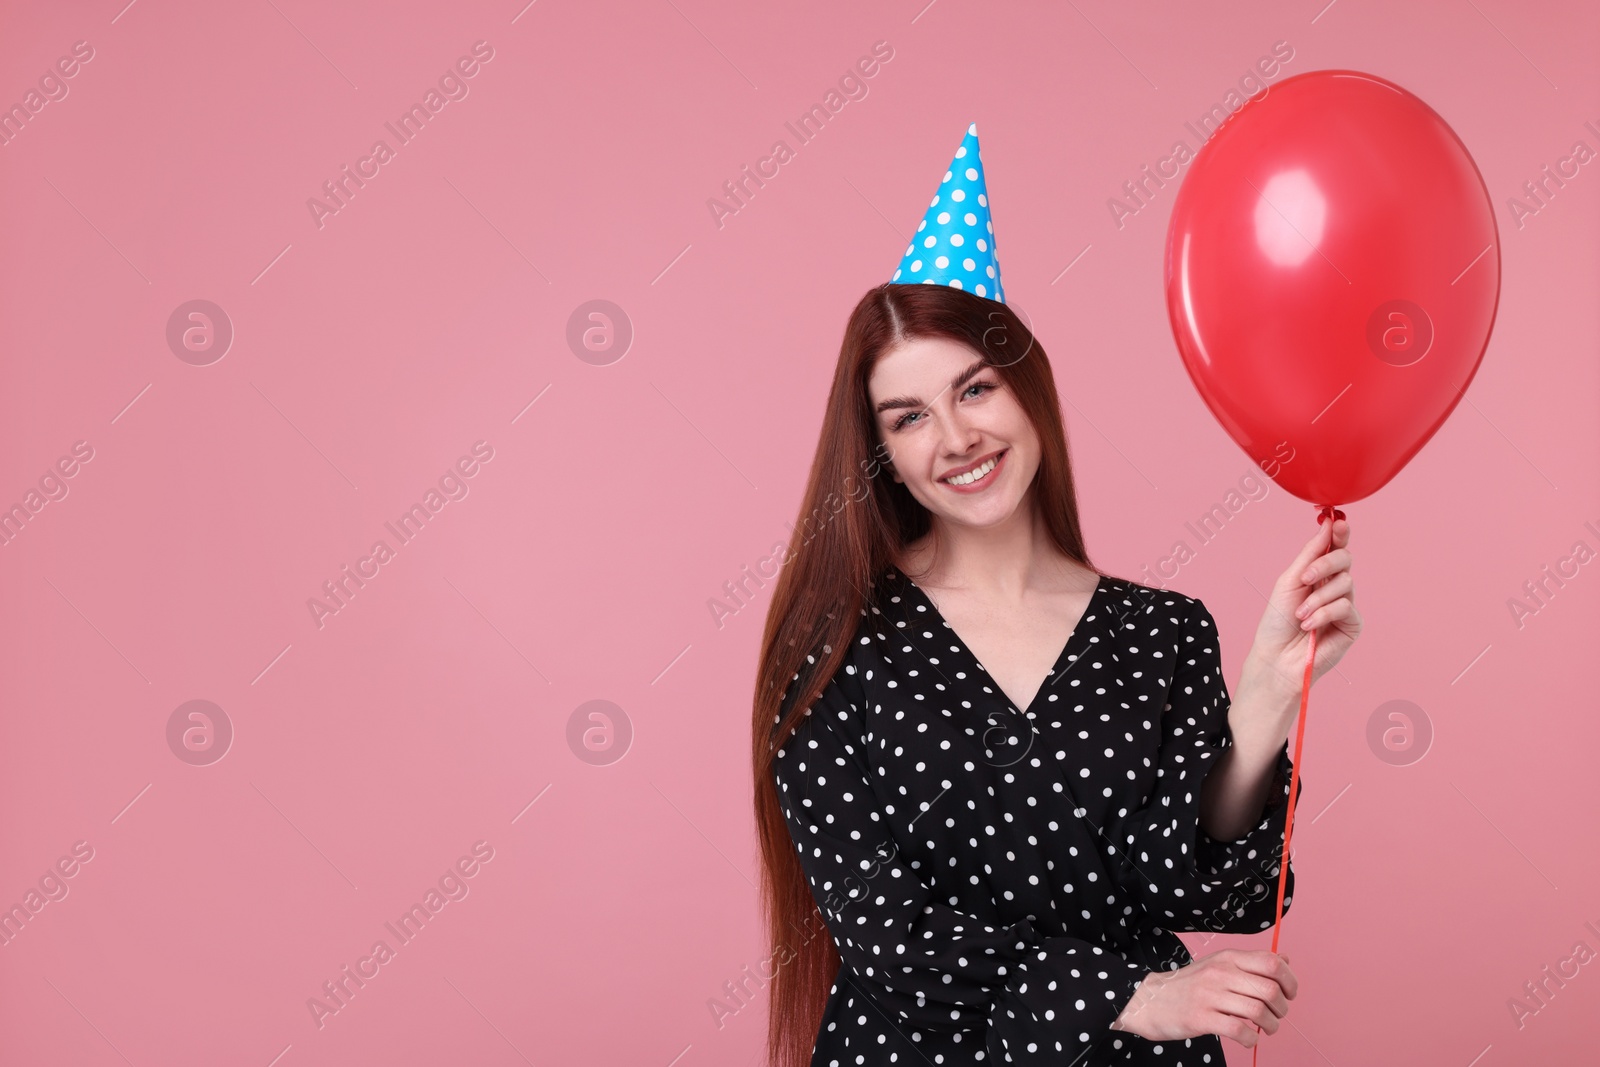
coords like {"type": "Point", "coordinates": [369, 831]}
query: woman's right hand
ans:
{"type": "Point", "coordinates": [1227, 993]}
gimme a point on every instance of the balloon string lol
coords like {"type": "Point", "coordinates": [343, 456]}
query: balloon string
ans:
{"type": "Point", "coordinates": [1327, 511]}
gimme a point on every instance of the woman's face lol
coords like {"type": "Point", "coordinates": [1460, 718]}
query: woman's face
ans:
{"type": "Point", "coordinates": [942, 412]}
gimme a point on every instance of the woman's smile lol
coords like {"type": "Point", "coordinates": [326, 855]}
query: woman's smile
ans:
{"type": "Point", "coordinates": [978, 478]}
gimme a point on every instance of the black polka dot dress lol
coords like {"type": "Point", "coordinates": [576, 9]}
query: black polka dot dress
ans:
{"type": "Point", "coordinates": [998, 880]}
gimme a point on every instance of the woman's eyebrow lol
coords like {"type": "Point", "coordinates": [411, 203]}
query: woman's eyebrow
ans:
{"type": "Point", "coordinates": [957, 382]}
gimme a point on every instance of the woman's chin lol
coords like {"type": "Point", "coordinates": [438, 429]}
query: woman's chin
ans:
{"type": "Point", "coordinates": [979, 514]}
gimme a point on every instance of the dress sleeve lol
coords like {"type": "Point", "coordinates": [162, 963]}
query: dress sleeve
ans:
{"type": "Point", "coordinates": [1191, 880]}
{"type": "Point", "coordinates": [1027, 999]}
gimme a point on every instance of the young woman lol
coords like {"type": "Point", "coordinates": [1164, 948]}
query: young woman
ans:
{"type": "Point", "coordinates": [1001, 777]}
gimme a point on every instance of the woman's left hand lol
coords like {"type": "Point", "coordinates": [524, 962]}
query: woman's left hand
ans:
{"type": "Point", "coordinates": [1298, 603]}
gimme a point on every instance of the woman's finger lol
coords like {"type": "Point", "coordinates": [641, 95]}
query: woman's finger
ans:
{"type": "Point", "coordinates": [1257, 987]}
{"type": "Point", "coordinates": [1234, 1028]}
{"type": "Point", "coordinates": [1339, 609]}
{"type": "Point", "coordinates": [1314, 548]}
{"type": "Point", "coordinates": [1337, 586]}
{"type": "Point", "coordinates": [1331, 563]}
{"type": "Point", "coordinates": [1269, 965]}
{"type": "Point", "coordinates": [1250, 1009]}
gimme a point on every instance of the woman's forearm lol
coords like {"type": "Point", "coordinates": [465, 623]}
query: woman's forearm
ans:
{"type": "Point", "coordinates": [1235, 792]}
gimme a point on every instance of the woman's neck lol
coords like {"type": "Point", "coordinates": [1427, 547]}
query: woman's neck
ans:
{"type": "Point", "coordinates": [995, 562]}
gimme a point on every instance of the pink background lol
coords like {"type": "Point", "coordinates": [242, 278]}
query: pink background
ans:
{"type": "Point", "coordinates": [372, 752]}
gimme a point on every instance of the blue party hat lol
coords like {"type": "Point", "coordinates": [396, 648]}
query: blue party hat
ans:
{"type": "Point", "coordinates": [954, 244]}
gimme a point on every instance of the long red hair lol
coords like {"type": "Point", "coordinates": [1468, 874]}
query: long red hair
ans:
{"type": "Point", "coordinates": [852, 525]}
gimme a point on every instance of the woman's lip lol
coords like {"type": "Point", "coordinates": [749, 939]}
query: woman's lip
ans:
{"type": "Point", "coordinates": [974, 465]}
{"type": "Point", "coordinates": [988, 479]}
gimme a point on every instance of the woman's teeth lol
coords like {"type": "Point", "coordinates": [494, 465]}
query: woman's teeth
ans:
{"type": "Point", "coordinates": [975, 474]}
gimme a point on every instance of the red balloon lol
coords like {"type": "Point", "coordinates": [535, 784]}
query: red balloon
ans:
{"type": "Point", "coordinates": [1332, 276]}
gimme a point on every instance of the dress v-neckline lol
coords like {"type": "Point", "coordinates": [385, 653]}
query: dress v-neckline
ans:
{"type": "Point", "coordinates": [1063, 660]}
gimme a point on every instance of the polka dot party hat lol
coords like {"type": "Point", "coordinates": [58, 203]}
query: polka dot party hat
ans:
{"type": "Point", "coordinates": [954, 243]}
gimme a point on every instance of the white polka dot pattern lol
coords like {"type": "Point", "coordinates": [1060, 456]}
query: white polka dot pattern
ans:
{"type": "Point", "coordinates": [954, 242]}
{"type": "Point", "coordinates": [998, 881]}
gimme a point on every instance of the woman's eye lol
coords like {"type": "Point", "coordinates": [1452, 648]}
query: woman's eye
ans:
{"type": "Point", "coordinates": [985, 386]}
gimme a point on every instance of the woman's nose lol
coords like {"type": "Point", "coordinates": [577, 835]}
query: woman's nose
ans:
{"type": "Point", "coordinates": [960, 435]}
